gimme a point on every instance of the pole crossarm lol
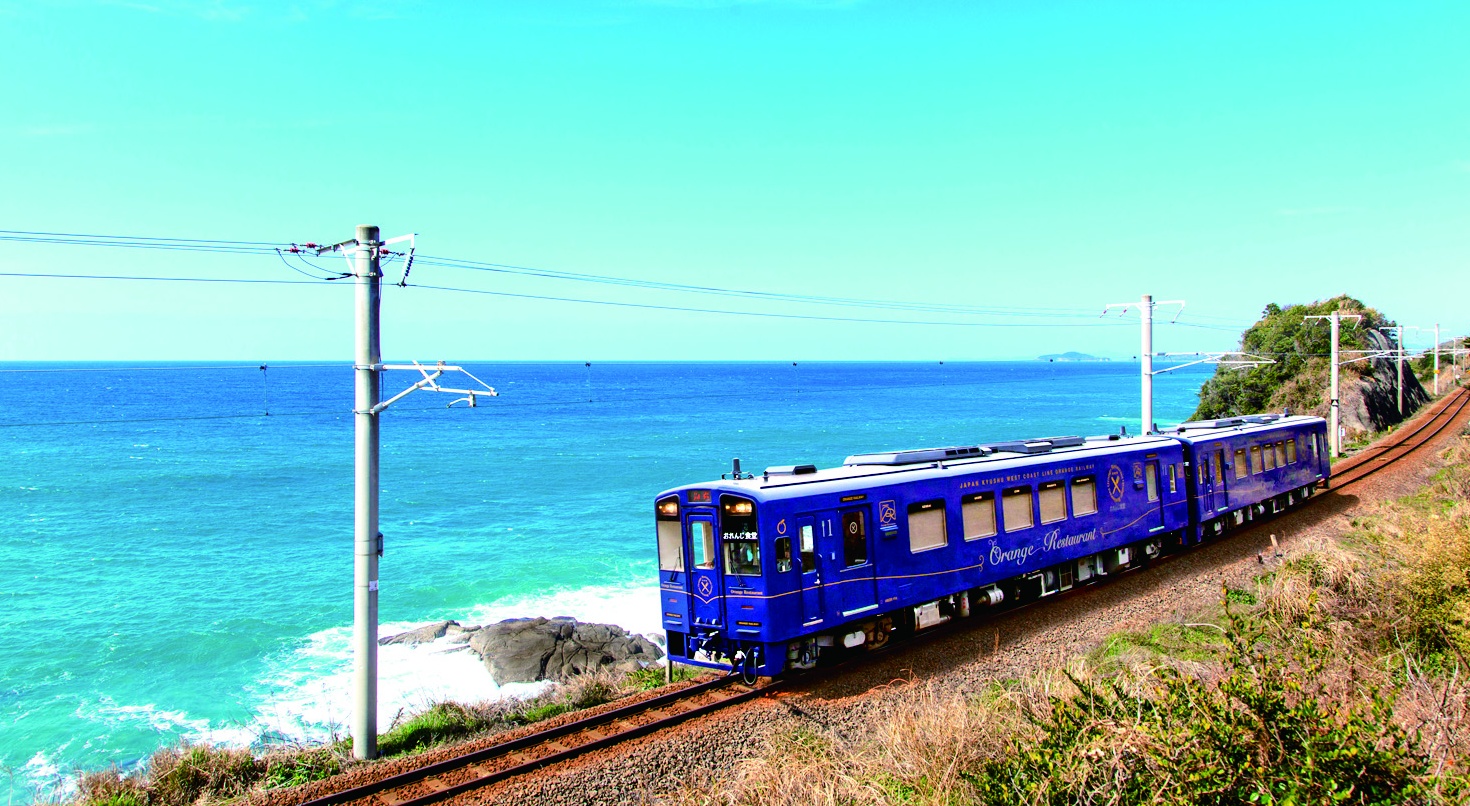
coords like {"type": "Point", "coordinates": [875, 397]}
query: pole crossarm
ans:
{"type": "Point", "coordinates": [430, 382]}
{"type": "Point", "coordinates": [1222, 359]}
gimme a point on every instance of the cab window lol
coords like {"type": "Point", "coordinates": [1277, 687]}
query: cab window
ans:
{"type": "Point", "coordinates": [978, 511]}
{"type": "Point", "coordinates": [742, 557]}
{"type": "Point", "coordinates": [670, 546]}
{"type": "Point", "coordinates": [926, 526]}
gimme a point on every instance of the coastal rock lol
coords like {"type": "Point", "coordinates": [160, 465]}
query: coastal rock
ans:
{"type": "Point", "coordinates": [421, 635]}
{"type": "Point", "coordinates": [527, 650]}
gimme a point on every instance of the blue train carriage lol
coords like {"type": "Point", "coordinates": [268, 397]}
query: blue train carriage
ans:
{"type": "Point", "coordinates": [1243, 468]}
{"type": "Point", "coordinates": [769, 573]}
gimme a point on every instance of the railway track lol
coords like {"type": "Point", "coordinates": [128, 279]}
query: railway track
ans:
{"type": "Point", "coordinates": [441, 780]}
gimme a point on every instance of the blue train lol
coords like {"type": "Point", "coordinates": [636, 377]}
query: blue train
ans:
{"type": "Point", "coordinates": [768, 573]}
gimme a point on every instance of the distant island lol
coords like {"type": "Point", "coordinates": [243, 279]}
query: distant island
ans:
{"type": "Point", "coordinates": [1071, 356]}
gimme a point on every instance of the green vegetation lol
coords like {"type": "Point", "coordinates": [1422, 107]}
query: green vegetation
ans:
{"type": "Point", "coordinates": [1299, 347]}
{"type": "Point", "coordinates": [189, 775]}
{"type": "Point", "coordinates": [655, 676]}
{"type": "Point", "coordinates": [1338, 677]}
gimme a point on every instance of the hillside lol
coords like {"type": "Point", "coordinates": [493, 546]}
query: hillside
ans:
{"type": "Point", "coordinates": [1299, 379]}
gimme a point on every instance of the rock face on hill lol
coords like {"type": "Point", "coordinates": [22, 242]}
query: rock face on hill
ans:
{"type": "Point", "coordinates": [525, 650]}
{"type": "Point", "coordinates": [1299, 378]}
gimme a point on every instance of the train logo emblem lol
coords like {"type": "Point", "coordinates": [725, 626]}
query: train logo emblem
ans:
{"type": "Point", "coordinates": [781, 527]}
{"type": "Point", "coordinates": [1115, 483]}
{"type": "Point", "coordinates": [705, 586]}
{"type": "Point", "coordinates": [887, 513]}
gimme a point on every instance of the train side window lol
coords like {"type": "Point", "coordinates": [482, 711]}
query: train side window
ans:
{"type": "Point", "coordinates": [808, 549]}
{"type": "Point", "coordinates": [854, 539]}
{"type": "Point", "coordinates": [1241, 468]}
{"type": "Point", "coordinates": [926, 526]}
{"type": "Point", "coordinates": [1280, 454]}
{"type": "Point", "coordinates": [1015, 507]}
{"type": "Point", "coordinates": [783, 555]}
{"type": "Point", "coordinates": [1219, 467]}
{"type": "Point", "coordinates": [978, 512]}
{"type": "Point", "coordinates": [1084, 496]}
{"type": "Point", "coordinates": [1204, 470]}
{"type": "Point", "coordinates": [1151, 480]}
{"type": "Point", "coordinates": [1053, 497]}
{"type": "Point", "coordinates": [743, 558]}
{"type": "Point", "coordinates": [1173, 480]}
{"type": "Point", "coordinates": [1256, 466]}
{"type": "Point", "coordinates": [670, 547]}
{"type": "Point", "coordinates": [1270, 456]}
{"type": "Point", "coordinates": [1291, 451]}
{"type": "Point", "coordinates": [702, 543]}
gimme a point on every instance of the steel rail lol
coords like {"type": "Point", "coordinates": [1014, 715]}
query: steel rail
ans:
{"type": "Point", "coordinates": [1448, 410]}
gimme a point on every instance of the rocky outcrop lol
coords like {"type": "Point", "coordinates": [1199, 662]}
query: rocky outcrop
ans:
{"type": "Point", "coordinates": [527, 650]}
{"type": "Point", "coordinates": [1370, 402]}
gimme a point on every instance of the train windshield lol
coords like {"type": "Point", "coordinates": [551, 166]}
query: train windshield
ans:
{"type": "Point", "coordinates": [670, 544]}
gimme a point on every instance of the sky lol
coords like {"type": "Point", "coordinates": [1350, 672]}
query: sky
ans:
{"type": "Point", "coordinates": [1028, 161]}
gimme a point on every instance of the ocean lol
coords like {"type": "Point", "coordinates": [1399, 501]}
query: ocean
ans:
{"type": "Point", "coordinates": [177, 566]}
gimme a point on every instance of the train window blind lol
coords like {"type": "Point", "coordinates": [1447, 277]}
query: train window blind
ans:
{"type": "Point", "coordinates": [1241, 468]}
{"type": "Point", "coordinates": [1291, 451]}
{"type": "Point", "coordinates": [926, 526]}
{"type": "Point", "coordinates": [1084, 496]}
{"type": "Point", "coordinates": [702, 544]}
{"type": "Point", "coordinates": [978, 511]}
{"type": "Point", "coordinates": [1015, 507]}
{"type": "Point", "coordinates": [670, 547]}
{"type": "Point", "coordinates": [1053, 499]}
{"type": "Point", "coordinates": [1281, 454]}
{"type": "Point", "coordinates": [1270, 456]}
{"type": "Point", "coordinates": [1256, 466]}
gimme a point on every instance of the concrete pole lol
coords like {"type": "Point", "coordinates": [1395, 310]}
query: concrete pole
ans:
{"type": "Point", "coordinates": [1436, 359]}
{"type": "Point", "coordinates": [1336, 438]}
{"type": "Point", "coordinates": [1146, 309]}
{"type": "Point", "coordinates": [1399, 387]}
{"type": "Point", "coordinates": [368, 366]}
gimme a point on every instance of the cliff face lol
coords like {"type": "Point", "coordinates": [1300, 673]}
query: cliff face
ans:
{"type": "Point", "coordinates": [1300, 377]}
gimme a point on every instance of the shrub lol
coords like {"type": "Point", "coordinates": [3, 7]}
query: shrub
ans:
{"type": "Point", "coordinates": [443, 722]}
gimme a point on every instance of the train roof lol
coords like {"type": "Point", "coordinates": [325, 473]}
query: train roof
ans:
{"type": "Point", "coordinates": [873, 468]}
{"type": "Point", "coordinates": [1230, 426]}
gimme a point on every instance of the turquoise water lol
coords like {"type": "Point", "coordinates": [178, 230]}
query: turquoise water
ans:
{"type": "Point", "coordinates": [165, 578]}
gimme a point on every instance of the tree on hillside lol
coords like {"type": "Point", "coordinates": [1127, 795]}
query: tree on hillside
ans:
{"type": "Point", "coordinates": [1301, 349]}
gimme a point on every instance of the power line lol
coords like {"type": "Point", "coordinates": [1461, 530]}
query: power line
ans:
{"type": "Point", "coordinates": [165, 279]}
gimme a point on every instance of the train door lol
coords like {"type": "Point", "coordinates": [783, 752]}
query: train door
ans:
{"type": "Point", "coordinates": [1222, 488]}
{"type": "Point", "coordinates": [1155, 515]}
{"type": "Point", "coordinates": [857, 582]}
{"type": "Point", "coordinates": [708, 603]}
{"type": "Point", "coordinates": [1206, 488]}
{"type": "Point", "coordinates": [807, 539]}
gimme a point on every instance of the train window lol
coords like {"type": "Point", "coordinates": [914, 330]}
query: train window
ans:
{"type": "Point", "coordinates": [926, 526]}
{"type": "Point", "coordinates": [1256, 466]}
{"type": "Point", "coordinates": [702, 544]}
{"type": "Point", "coordinates": [670, 547]}
{"type": "Point", "coordinates": [1173, 480]}
{"type": "Point", "coordinates": [978, 511]}
{"type": "Point", "coordinates": [1219, 467]}
{"type": "Point", "coordinates": [1291, 451]}
{"type": "Point", "coordinates": [1241, 468]}
{"type": "Point", "coordinates": [1151, 480]}
{"type": "Point", "coordinates": [1270, 456]}
{"type": "Point", "coordinates": [742, 557]}
{"type": "Point", "coordinates": [783, 555]}
{"type": "Point", "coordinates": [1281, 454]}
{"type": "Point", "coordinates": [1015, 506]}
{"type": "Point", "coordinates": [1053, 498]}
{"type": "Point", "coordinates": [808, 549]}
{"type": "Point", "coordinates": [854, 539]}
{"type": "Point", "coordinates": [1084, 497]}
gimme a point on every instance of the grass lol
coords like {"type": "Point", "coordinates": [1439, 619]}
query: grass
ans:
{"type": "Point", "coordinates": [1340, 677]}
{"type": "Point", "coordinates": [197, 774]}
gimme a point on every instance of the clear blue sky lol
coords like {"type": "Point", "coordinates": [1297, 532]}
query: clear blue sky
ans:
{"type": "Point", "coordinates": [1028, 154]}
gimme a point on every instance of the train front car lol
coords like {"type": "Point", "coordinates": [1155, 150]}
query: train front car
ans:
{"type": "Point", "coordinates": [1245, 468]}
{"type": "Point", "coordinates": [713, 554]}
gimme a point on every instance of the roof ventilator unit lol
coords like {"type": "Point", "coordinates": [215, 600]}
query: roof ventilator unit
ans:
{"type": "Point", "coordinates": [918, 456]}
{"type": "Point", "coordinates": [1037, 445]}
{"type": "Point", "coordinates": [790, 470]}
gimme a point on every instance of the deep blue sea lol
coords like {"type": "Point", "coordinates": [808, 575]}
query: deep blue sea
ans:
{"type": "Point", "coordinates": [166, 577]}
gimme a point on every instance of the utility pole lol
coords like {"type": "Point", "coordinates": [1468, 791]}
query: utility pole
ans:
{"type": "Point", "coordinates": [1398, 362]}
{"type": "Point", "coordinates": [1436, 359]}
{"type": "Point", "coordinates": [1335, 318]}
{"type": "Point", "coordinates": [368, 368]}
{"type": "Point", "coordinates": [364, 254]}
{"type": "Point", "coordinates": [1146, 312]}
